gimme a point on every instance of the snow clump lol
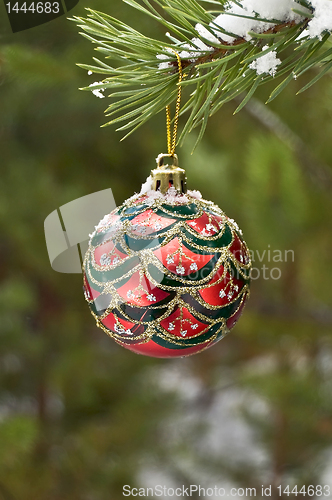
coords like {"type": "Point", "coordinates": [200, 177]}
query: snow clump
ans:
{"type": "Point", "coordinates": [97, 92]}
{"type": "Point", "coordinates": [266, 64]}
{"type": "Point", "coordinates": [322, 20]}
{"type": "Point", "coordinates": [146, 186]}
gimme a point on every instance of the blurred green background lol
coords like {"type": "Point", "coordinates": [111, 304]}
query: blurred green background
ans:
{"type": "Point", "coordinates": [80, 416]}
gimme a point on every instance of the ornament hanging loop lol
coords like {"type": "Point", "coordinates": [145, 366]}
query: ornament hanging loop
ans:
{"type": "Point", "coordinates": [171, 140]}
{"type": "Point", "coordinates": [162, 157]}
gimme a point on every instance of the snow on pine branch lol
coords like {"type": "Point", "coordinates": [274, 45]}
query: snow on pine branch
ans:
{"type": "Point", "coordinates": [255, 12]}
{"type": "Point", "coordinates": [251, 16]}
{"type": "Point", "coordinates": [230, 52]}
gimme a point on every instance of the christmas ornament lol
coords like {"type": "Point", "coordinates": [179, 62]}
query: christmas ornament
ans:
{"type": "Point", "coordinates": [166, 274]}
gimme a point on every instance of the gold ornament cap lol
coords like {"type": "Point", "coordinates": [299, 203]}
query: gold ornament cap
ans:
{"type": "Point", "coordinates": [166, 176]}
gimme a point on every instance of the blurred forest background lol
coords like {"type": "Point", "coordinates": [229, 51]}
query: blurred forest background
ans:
{"type": "Point", "coordinates": [80, 416]}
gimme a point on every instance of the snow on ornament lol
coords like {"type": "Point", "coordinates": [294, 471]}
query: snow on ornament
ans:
{"type": "Point", "coordinates": [167, 273]}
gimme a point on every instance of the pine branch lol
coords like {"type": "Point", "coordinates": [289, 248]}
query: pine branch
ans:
{"type": "Point", "coordinates": [218, 63]}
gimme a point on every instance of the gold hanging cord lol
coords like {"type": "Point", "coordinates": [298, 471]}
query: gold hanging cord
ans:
{"type": "Point", "coordinates": [171, 141]}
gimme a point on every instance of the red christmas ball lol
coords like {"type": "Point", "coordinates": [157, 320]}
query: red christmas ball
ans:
{"type": "Point", "coordinates": [167, 275]}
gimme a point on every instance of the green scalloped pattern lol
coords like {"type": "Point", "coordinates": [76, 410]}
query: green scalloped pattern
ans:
{"type": "Point", "coordinates": [224, 240]}
{"type": "Point", "coordinates": [113, 274]}
{"type": "Point", "coordinates": [185, 343]}
{"type": "Point", "coordinates": [169, 280]}
{"type": "Point", "coordinates": [181, 212]}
